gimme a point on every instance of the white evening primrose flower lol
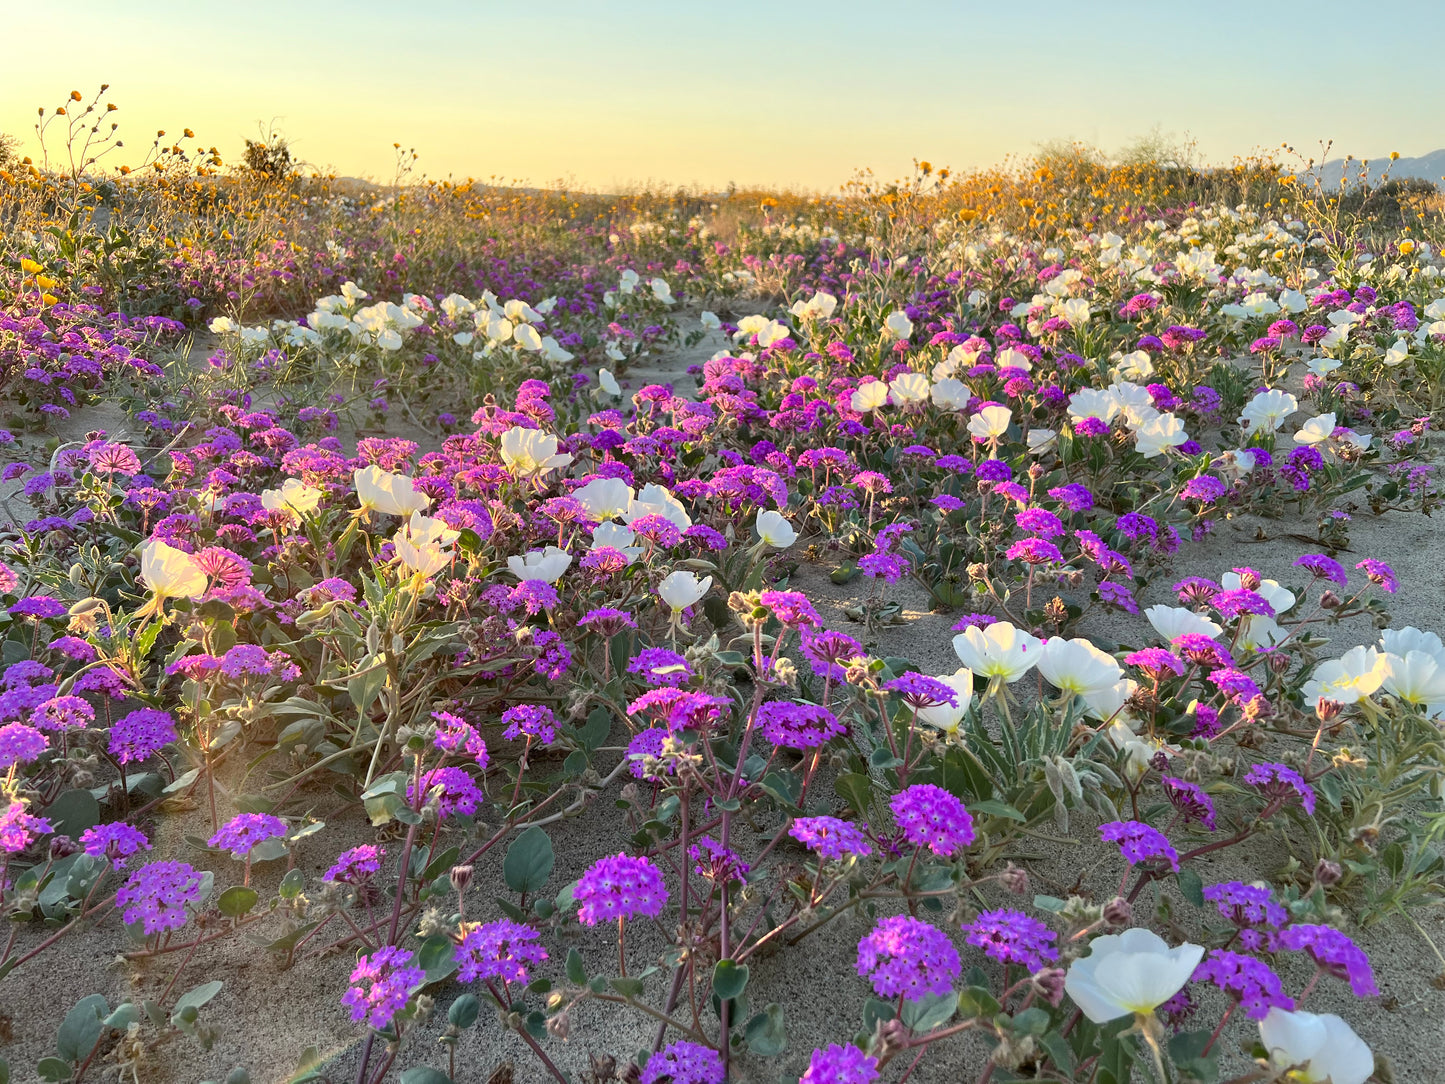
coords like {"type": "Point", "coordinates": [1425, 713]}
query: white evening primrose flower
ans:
{"type": "Point", "coordinates": [1403, 641]}
{"type": "Point", "coordinates": [1322, 366]}
{"type": "Point", "coordinates": [682, 589]}
{"type": "Point", "coordinates": [627, 281]}
{"type": "Point", "coordinates": [1076, 666]}
{"type": "Point", "coordinates": [519, 312]}
{"type": "Point", "coordinates": [1075, 310]}
{"type": "Point", "coordinates": [608, 383]}
{"type": "Point", "coordinates": [1041, 440]}
{"type": "Point", "coordinates": [1010, 357]}
{"type": "Point", "coordinates": [774, 332]}
{"type": "Point", "coordinates": [990, 423]}
{"type": "Point", "coordinates": [1315, 1048]}
{"type": "Point", "coordinates": [942, 716]}
{"type": "Point", "coordinates": [709, 320]}
{"type": "Point", "coordinates": [1266, 412]}
{"type": "Point", "coordinates": [656, 500]}
{"type": "Point", "coordinates": [1172, 622]}
{"type": "Point", "coordinates": [1131, 973]}
{"type": "Point", "coordinates": [898, 326]}
{"type": "Point", "coordinates": [1158, 435]}
{"type": "Point", "coordinates": [169, 572]}
{"type": "Point", "coordinates": [662, 291]}
{"type": "Point", "coordinates": [530, 452]}
{"type": "Point", "coordinates": [1293, 301]}
{"type": "Point", "coordinates": [751, 325]}
{"type": "Point", "coordinates": [1280, 598]}
{"type": "Point", "coordinates": [1417, 677]}
{"type": "Point", "coordinates": [425, 559]}
{"type": "Point", "coordinates": [353, 293]}
{"type": "Point", "coordinates": [1316, 430]}
{"type": "Point", "coordinates": [950, 394]}
{"type": "Point", "coordinates": [616, 536]}
{"type": "Point", "coordinates": [1137, 365]}
{"type": "Point", "coordinates": [527, 337]}
{"type": "Point", "coordinates": [820, 306]}
{"type": "Point", "coordinates": [604, 498]}
{"type": "Point", "coordinates": [430, 531]}
{"type": "Point", "coordinates": [909, 388]}
{"type": "Point", "coordinates": [1397, 353]}
{"type": "Point", "coordinates": [295, 496]}
{"type": "Point", "coordinates": [1100, 403]}
{"type": "Point", "coordinates": [378, 490]}
{"type": "Point", "coordinates": [775, 530]}
{"type": "Point", "coordinates": [223, 325]}
{"type": "Point", "coordinates": [1352, 677]}
{"type": "Point", "coordinates": [546, 565]}
{"type": "Point", "coordinates": [552, 350]}
{"type": "Point", "coordinates": [997, 651]}
{"type": "Point", "coordinates": [1237, 460]}
{"type": "Point", "coordinates": [614, 352]}
{"type": "Point", "coordinates": [869, 396]}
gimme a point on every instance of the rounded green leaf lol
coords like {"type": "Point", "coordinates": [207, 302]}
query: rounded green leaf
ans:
{"type": "Point", "coordinates": [529, 861]}
{"type": "Point", "coordinates": [237, 901]}
{"type": "Point", "coordinates": [729, 979]}
{"type": "Point", "coordinates": [464, 1011]}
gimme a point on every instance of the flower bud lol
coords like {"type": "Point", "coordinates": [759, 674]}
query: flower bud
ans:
{"type": "Point", "coordinates": [1328, 710]}
{"type": "Point", "coordinates": [1118, 912]}
{"type": "Point", "coordinates": [1015, 879]}
{"type": "Point", "coordinates": [1330, 601]}
{"type": "Point", "coordinates": [62, 847]}
{"type": "Point", "coordinates": [461, 877]}
{"type": "Point", "coordinates": [1328, 873]}
{"type": "Point", "coordinates": [1049, 985]}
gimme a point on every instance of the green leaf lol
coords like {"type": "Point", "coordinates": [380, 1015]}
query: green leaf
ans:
{"type": "Point", "coordinates": [529, 861]}
{"type": "Point", "coordinates": [627, 986]}
{"type": "Point", "coordinates": [81, 1029]}
{"type": "Point", "coordinates": [238, 900]}
{"type": "Point", "coordinates": [1032, 1021]}
{"type": "Point", "coordinates": [424, 1074]}
{"type": "Point", "coordinates": [785, 787]}
{"type": "Point", "coordinates": [576, 968]}
{"type": "Point", "coordinates": [53, 1069]}
{"type": "Point", "coordinates": [308, 1068]}
{"type": "Point", "coordinates": [1190, 886]}
{"type": "Point", "coordinates": [292, 885]}
{"type": "Point", "coordinates": [4, 1071]}
{"type": "Point", "coordinates": [1058, 1049]}
{"type": "Point", "coordinates": [123, 1017]}
{"type": "Point", "coordinates": [929, 1011]}
{"type": "Point", "coordinates": [995, 808]}
{"type": "Point", "coordinates": [437, 957]}
{"type": "Point", "coordinates": [196, 997]}
{"type": "Point", "coordinates": [766, 1035]}
{"type": "Point", "coordinates": [1186, 1050]}
{"type": "Point", "coordinates": [464, 1011]}
{"type": "Point", "coordinates": [596, 729]}
{"type": "Point", "coordinates": [1052, 904]}
{"type": "Point", "coordinates": [975, 1001]}
{"type": "Point", "coordinates": [729, 979]}
{"type": "Point", "coordinates": [844, 573]}
{"type": "Point", "coordinates": [856, 789]}
{"type": "Point", "coordinates": [73, 812]}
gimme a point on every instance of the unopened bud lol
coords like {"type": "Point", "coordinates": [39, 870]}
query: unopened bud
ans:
{"type": "Point", "coordinates": [1330, 601]}
{"type": "Point", "coordinates": [1328, 873]}
{"type": "Point", "coordinates": [1118, 912]}
{"type": "Point", "coordinates": [1049, 985]}
{"type": "Point", "coordinates": [77, 574]}
{"type": "Point", "coordinates": [461, 877]}
{"type": "Point", "coordinates": [1015, 879]}
{"type": "Point", "coordinates": [1279, 662]}
{"type": "Point", "coordinates": [62, 847]}
{"type": "Point", "coordinates": [1249, 579]}
{"type": "Point", "coordinates": [1328, 710]}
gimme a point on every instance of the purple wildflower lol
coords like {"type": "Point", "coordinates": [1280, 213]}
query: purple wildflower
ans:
{"type": "Point", "coordinates": [1333, 952]}
{"type": "Point", "coordinates": [840, 1065]}
{"type": "Point", "coordinates": [684, 1063]}
{"type": "Point", "coordinates": [1012, 937]}
{"type": "Point", "coordinates": [906, 957]}
{"type": "Point", "coordinates": [245, 831]}
{"type": "Point", "coordinates": [1140, 843]}
{"type": "Point", "coordinates": [617, 887]}
{"type": "Point", "coordinates": [830, 837]}
{"type": "Point", "coordinates": [355, 866]}
{"type": "Point", "coordinates": [116, 841]}
{"type": "Point", "coordinates": [1246, 979]}
{"type": "Point", "coordinates": [797, 726]}
{"type": "Point", "coordinates": [159, 896]}
{"type": "Point", "coordinates": [1279, 781]}
{"type": "Point", "coordinates": [530, 721]}
{"type": "Point", "coordinates": [929, 816]}
{"type": "Point", "coordinates": [380, 986]}
{"type": "Point", "coordinates": [498, 950]}
{"type": "Point", "coordinates": [141, 734]}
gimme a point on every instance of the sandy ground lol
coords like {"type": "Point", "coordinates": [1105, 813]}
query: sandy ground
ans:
{"type": "Point", "coordinates": [266, 1016]}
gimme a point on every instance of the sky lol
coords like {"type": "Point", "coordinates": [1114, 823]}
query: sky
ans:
{"type": "Point", "coordinates": [611, 94]}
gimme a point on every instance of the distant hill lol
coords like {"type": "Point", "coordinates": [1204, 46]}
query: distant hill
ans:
{"type": "Point", "coordinates": [1428, 167]}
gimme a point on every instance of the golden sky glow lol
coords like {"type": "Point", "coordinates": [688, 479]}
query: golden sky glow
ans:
{"type": "Point", "coordinates": [609, 94]}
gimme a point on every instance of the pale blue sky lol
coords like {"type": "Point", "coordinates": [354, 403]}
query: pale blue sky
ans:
{"type": "Point", "coordinates": [773, 92]}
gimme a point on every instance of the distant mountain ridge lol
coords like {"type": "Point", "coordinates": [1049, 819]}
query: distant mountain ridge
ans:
{"type": "Point", "coordinates": [1428, 167]}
